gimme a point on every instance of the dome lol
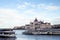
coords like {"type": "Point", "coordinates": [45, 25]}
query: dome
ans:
{"type": "Point", "coordinates": [35, 20]}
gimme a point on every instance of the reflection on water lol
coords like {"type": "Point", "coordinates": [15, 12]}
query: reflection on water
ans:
{"type": "Point", "coordinates": [7, 39]}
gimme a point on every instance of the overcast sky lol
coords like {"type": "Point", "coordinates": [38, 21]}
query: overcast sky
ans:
{"type": "Point", "coordinates": [20, 12]}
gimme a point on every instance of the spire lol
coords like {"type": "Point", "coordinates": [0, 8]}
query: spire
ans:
{"type": "Point", "coordinates": [35, 20]}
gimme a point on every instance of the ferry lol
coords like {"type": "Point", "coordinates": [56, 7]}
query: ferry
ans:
{"type": "Point", "coordinates": [7, 33]}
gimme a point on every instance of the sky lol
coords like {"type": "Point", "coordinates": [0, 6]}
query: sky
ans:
{"type": "Point", "coordinates": [21, 12]}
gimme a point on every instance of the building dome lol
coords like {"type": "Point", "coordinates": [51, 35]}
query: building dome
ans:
{"type": "Point", "coordinates": [35, 20]}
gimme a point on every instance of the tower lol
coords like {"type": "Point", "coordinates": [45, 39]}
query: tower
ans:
{"type": "Point", "coordinates": [35, 20]}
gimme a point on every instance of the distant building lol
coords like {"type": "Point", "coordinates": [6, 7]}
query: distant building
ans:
{"type": "Point", "coordinates": [19, 27]}
{"type": "Point", "coordinates": [56, 26]}
{"type": "Point", "coordinates": [37, 25]}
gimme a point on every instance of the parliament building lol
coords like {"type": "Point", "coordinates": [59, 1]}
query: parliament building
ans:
{"type": "Point", "coordinates": [37, 25]}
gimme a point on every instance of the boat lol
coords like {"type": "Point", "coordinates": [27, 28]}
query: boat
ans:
{"type": "Point", "coordinates": [7, 33]}
{"type": "Point", "coordinates": [43, 32]}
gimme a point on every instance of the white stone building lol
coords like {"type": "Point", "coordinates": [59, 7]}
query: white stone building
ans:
{"type": "Point", "coordinates": [37, 25]}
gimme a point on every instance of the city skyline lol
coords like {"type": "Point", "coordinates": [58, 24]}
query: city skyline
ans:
{"type": "Point", "coordinates": [20, 12]}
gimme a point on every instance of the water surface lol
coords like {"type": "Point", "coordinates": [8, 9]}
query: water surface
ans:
{"type": "Point", "coordinates": [20, 36]}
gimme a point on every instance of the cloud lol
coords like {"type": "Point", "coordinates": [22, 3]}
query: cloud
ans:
{"type": "Point", "coordinates": [30, 11]}
{"type": "Point", "coordinates": [42, 6]}
{"type": "Point", "coordinates": [10, 18]}
{"type": "Point", "coordinates": [21, 6]}
{"type": "Point", "coordinates": [6, 17]}
{"type": "Point", "coordinates": [34, 14]}
{"type": "Point", "coordinates": [56, 21]}
{"type": "Point", "coordinates": [33, 6]}
{"type": "Point", "coordinates": [52, 8]}
{"type": "Point", "coordinates": [24, 5]}
{"type": "Point", "coordinates": [48, 7]}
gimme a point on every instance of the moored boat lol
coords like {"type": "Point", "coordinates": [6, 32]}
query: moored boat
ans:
{"type": "Point", "coordinates": [7, 33]}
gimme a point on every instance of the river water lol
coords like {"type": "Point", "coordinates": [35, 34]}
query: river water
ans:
{"type": "Point", "coordinates": [20, 36]}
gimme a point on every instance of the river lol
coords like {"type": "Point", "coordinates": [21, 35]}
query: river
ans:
{"type": "Point", "coordinates": [20, 36]}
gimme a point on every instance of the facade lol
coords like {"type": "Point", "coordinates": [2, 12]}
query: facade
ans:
{"type": "Point", "coordinates": [37, 25]}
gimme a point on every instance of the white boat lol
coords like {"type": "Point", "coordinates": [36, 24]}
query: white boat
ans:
{"type": "Point", "coordinates": [7, 33]}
